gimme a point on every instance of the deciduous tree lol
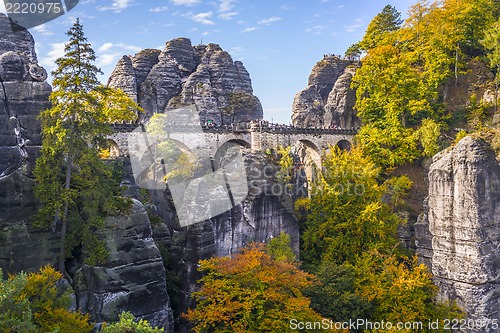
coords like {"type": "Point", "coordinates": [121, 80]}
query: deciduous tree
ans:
{"type": "Point", "coordinates": [250, 293]}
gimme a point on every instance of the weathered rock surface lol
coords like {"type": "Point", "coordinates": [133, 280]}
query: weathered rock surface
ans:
{"type": "Point", "coordinates": [463, 221]}
{"type": "Point", "coordinates": [328, 100]}
{"type": "Point", "coordinates": [339, 108]}
{"type": "Point", "coordinates": [16, 38]}
{"type": "Point", "coordinates": [181, 75]}
{"type": "Point", "coordinates": [23, 94]}
{"type": "Point", "coordinates": [133, 279]}
{"type": "Point", "coordinates": [263, 215]}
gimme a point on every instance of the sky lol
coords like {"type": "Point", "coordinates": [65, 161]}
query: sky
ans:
{"type": "Point", "coordinates": [278, 41]}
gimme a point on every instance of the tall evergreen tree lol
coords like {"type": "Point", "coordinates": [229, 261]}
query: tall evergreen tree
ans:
{"type": "Point", "coordinates": [389, 19]}
{"type": "Point", "coordinates": [73, 184]}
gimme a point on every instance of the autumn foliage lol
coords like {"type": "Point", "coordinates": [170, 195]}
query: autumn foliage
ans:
{"type": "Point", "coordinates": [251, 292]}
{"type": "Point", "coordinates": [33, 303]}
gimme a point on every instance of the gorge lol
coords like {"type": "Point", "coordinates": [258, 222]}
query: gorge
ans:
{"type": "Point", "coordinates": [152, 266]}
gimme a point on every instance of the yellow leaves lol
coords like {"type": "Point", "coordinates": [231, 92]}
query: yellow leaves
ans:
{"type": "Point", "coordinates": [45, 304]}
{"type": "Point", "coordinates": [250, 293]}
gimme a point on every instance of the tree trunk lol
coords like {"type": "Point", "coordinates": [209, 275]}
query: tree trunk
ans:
{"type": "Point", "coordinates": [456, 66]}
{"type": "Point", "coordinates": [64, 225]}
{"type": "Point", "coordinates": [496, 89]}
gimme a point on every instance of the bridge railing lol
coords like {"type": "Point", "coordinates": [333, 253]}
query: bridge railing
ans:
{"type": "Point", "coordinates": [245, 127]}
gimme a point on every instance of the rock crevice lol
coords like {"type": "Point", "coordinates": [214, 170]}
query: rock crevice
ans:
{"type": "Point", "coordinates": [328, 101]}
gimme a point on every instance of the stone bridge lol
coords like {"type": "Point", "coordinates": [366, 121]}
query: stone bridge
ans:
{"type": "Point", "coordinates": [256, 136]}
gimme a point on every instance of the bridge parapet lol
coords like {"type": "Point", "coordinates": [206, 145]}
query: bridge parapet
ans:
{"type": "Point", "coordinates": [258, 135]}
{"type": "Point", "coordinates": [245, 128]}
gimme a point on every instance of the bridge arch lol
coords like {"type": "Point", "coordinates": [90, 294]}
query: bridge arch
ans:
{"type": "Point", "coordinates": [240, 142]}
{"type": "Point", "coordinates": [160, 157]}
{"type": "Point", "coordinates": [111, 150]}
{"type": "Point", "coordinates": [227, 151]}
{"type": "Point", "coordinates": [310, 157]}
{"type": "Point", "coordinates": [344, 145]}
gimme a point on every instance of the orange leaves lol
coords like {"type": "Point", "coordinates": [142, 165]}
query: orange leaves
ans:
{"type": "Point", "coordinates": [250, 293]}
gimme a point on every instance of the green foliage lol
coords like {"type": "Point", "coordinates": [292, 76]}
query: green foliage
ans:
{"type": "Point", "coordinates": [491, 42]}
{"type": "Point", "coordinates": [75, 187]}
{"type": "Point", "coordinates": [350, 241]}
{"type": "Point", "coordinates": [353, 52]}
{"type": "Point", "coordinates": [32, 303]}
{"type": "Point", "coordinates": [398, 85]}
{"type": "Point", "coordinates": [174, 288]}
{"type": "Point", "coordinates": [279, 248]}
{"type": "Point", "coordinates": [178, 163]}
{"type": "Point", "coordinates": [388, 20]}
{"type": "Point", "coordinates": [250, 293]}
{"type": "Point", "coordinates": [460, 135]}
{"type": "Point", "coordinates": [286, 164]}
{"type": "Point", "coordinates": [127, 324]}
{"type": "Point", "coordinates": [401, 289]}
{"type": "Point", "coordinates": [388, 146]}
{"type": "Point", "coordinates": [15, 312]}
{"type": "Point", "coordinates": [334, 295]}
{"type": "Point", "coordinates": [396, 188]}
{"type": "Point", "coordinates": [476, 113]}
{"type": "Point", "coordinates": [428, 135]}
{"type": "Point", "coordinates": [346, 214]}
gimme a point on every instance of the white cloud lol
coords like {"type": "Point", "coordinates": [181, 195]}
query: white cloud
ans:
{"type": "Point", "coordinates": [249, 29]}
{"type": "Point", "coordinates": [42, 29]}
{"type": "Point", "coordinates": [270, 20]}
{"type": "Point", "coordinates": [228, 15]}
{"type": "Point", "coordinates": [358, 23]}
{"type": "Point", "coordinates": [109, 53]}
{"type": "Point", "coordinates": [158, 9]}
{"type": "Point", "coordinates": [109, 46]}
{"type": "Point", "coordinates": [286, 7]}
{"type": "Point", "coordinates": [185, 2]}
{"type": "Point", "coordinates": [206, 33]}
{"type": "Point", "coordinates": [49, 60]}
{"type": "Point", "coordinates": [316, 30]}
{"type": "Point", "coordinates": [117, 6]}
{"type": "Point", "coordinates": [105, 47]}
{"type": "Point", "coordinates": [107, 59]}
{"type": "Point", "coordinates": [203, 18]}
{"type": "Point", "coordinates": [226, 5]}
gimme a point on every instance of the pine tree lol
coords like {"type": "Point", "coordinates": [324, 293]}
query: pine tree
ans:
{"type": "Point", "coordinates": [389, 19]}
{"type": "Point", "coordinates": [72, 183]}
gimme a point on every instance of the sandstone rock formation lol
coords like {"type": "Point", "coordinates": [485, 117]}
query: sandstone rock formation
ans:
{"type": "Point", "coordinates": [181, 75]}
{"type": "Point", "coordinates": [133, 279]}
{"type": "Point", "coordinates": [265, 214]}
{"type": "Point", "coordinates": [328, 100]}
{"type": "Point", "coordinates": [459, 234]}
{"type": "Point", "coordinates": [23, 94]}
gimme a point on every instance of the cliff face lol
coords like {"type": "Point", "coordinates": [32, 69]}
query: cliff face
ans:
{"type": "Point", "coordinates": [459, 234]}
{"type": "Point", "coordinates": [23, 94]}
{"type": "Point", "coordinates": [328, 100]}
{"type": "Point", "coordinates": [181, 75]}
{"type": "Point", "coordinates": [263, 215]}
{"type": "Point", "coordinates": [133, 278]}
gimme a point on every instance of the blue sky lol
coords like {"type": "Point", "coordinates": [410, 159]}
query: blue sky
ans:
{"type": "Point", "coordinates": [279, 41]}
